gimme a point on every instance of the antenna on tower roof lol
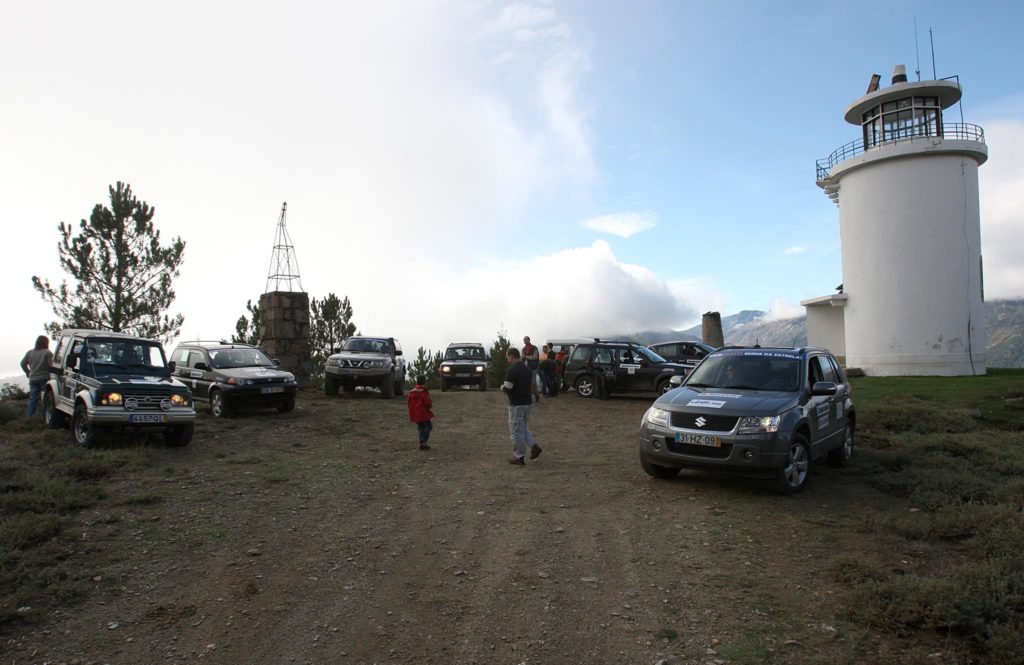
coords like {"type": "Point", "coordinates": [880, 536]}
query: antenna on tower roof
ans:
{"type": "Point", "coordinates": [935, 77]}
{"type": "Point", "coordinates": [917, 50]}
{"type": "Point", "coordinates": [284, 265]}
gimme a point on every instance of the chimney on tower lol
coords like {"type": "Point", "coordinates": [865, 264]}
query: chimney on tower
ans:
{"type": "Point", "coordinates": [899, 74]}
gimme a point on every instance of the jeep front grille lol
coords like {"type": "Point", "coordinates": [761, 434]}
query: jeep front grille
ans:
{"type": "Point", "coordinates": [711, 423]}
{"type": "Point", "coordinates": [143, 402]}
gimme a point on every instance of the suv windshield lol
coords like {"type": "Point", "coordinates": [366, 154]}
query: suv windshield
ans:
{"type": "Point", "coordinates": [751, 370]}
{"type": "Point", "coordinates": [230, 358]}
{"type": "Point", "coordinates": [366, 345]}
{"type": "Point", "coordinates": [101, 355]}
{"type": "Point", "coordinates": [464, 353]}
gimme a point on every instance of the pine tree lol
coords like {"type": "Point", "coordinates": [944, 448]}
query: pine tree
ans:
{"type": "Point", "coordinates": [423, 365]}
{"type": "Point", "coordinates": [247, 328]}
{"type": "Point", "coordinates": [330, 323]}
{"type": "Point", "coordinates": [499, 361]}
{"type": "Point", "coordinates": [122, 275]}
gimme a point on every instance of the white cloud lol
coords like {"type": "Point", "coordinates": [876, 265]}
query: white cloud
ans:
{"type": "Point", "coordinates": [783, 309]}
{"type": "Point", "coordinates": [1002, 213]}
{"type": "Point", "coordinates": [623, 224]}
{"type": "Point", "coordinates": [576, 292]}
{"type": "Point", "coordinates": [796, 249]}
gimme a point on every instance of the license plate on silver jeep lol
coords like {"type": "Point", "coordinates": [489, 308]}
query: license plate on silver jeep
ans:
{"type": "Point", "coordinates": [699, 439]}
{"type": "Point", "coordinates": [144, 418]}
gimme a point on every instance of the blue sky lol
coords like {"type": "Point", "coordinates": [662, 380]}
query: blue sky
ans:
{"type": "Point", "coordinates": [456, 167]}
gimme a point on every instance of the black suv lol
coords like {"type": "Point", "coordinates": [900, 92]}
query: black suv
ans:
{"type": "Point", "coordinates": [762, 412]}
{"type": "Point", "coordinates": [621, 366]}
{"type": "Point", "coordinates": [682, 351]}
{"type": "Point", "coordinates": [106, 381]}
{"type": "Point", "coordinates": [228, 375]}
{"type": "Point", "coordinates": [464, 364]}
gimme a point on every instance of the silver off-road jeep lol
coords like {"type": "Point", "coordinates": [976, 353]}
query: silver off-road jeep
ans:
{"type": "Point", "coordinates": [376, 362]}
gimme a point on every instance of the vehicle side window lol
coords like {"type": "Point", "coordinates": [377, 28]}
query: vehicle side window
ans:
{"type": "Point", "coordinates": [814, 372]}
{"type": "Point", "coordinates": [666, 350]}
{"type": "Point", "coordinates": [626, 356]}
{"type": "Point", "coordinates": [824, 369]}
{"type": "Point", "coordinates": [58, 353]}
{"type": "Point", "coordinates": [580, 353]}
{"type": "Point", "coordinates": [602, 356]}
{"type": "Point", "coordinates": [840, 375]}
{"type": "Point", "coordinates": [179, 357]}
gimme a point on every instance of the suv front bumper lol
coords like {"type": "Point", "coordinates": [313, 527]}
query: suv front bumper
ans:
{"type": "Point", "coordinates": [116, 416]}
{"type": "Point", "coordinates": [753, 454]}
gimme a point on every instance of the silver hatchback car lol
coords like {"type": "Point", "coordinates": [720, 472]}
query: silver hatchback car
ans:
{"type": "Point", "coordinates": [765, 412]}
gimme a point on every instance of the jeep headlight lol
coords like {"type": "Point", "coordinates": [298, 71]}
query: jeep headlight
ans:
{"type": "Point", "coordinates": [111, 399]}
{"type": "Point", "coordinates": [289, 378]}
{"type": "Point", "coordinates": [334, 362]}
{"type": "Point", "coordinates": [759, 424]}
{"type": "Point", "coordinates": [479, 369]}
{"type": "Point", "coordinates": [657, 416]}
{"type": "Point", "coordinates": [446, 369]}
{"type": "Point", "coordinates": [238, 382]}
{"type": "Point", "coordinates": [179, 400]}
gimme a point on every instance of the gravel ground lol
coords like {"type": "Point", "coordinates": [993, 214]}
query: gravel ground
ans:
{"type": "Point", "coordinates": [326, 536]}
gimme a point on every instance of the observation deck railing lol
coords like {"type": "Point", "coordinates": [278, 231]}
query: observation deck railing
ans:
{"type": "Point", "coordinates": [958, 131]}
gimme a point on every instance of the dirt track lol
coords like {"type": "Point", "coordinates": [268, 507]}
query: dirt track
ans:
{"type": "Point", "coordinates": [325, 536]}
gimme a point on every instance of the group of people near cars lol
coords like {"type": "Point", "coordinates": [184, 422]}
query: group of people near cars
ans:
{"type": "Point", "coordinates": [547, 367]}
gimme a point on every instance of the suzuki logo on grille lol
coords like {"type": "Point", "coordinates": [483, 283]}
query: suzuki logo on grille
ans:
{"type": "Point", "coordinates": [700, 422]}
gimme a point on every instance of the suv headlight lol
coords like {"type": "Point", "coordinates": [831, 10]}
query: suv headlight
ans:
{"type": "Point", "coordinates": [179, 400]}
{"type": "Point", "coordinates": [446, 369]}
{"type": "Point", "coordinates": [759, 424]}
{"type": "Point", "coordinates": [334, 361]}
{"type": "Point", "coordinates": [110, 399]}
{"type": "Point", "coordinates": [657, 416]}
{"type": "Point", "coordinates": [479, 369]}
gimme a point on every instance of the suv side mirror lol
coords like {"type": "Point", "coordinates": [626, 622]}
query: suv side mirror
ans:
{"type": "Point", "coordinates": [202, 367]}
{"type": "Point", "coordinates": [398, 352]}
{"type": "Point", "coordinates": [824, 388]}
{"type": "Point", "coordinates": [171, 365]}
{"type": "Point", "coordinates": [676, 380]}
{"type": "Point", "coordinates": [72, 361]}
{"type": "Point", "coordinates": [275, 361]}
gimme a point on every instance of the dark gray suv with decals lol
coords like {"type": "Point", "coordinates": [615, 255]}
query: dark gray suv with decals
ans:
{"type": "Point", "coordinates": [229, 375]}
{"type": "Point", "coordinates": [761, 412]}
{"type": "Point", "coordinates": [376, 362]}
{"type": "Point", "coordinates": [106, 381]}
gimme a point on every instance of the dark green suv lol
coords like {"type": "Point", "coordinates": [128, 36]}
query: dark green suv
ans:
{"type": "Point", "coordinates": [105, 381]}
{"type": "Point", "coordinates": [619, 367]}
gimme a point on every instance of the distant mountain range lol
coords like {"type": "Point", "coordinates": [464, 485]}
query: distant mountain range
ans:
{"type": "Point", "coordinates": [1004, 321]}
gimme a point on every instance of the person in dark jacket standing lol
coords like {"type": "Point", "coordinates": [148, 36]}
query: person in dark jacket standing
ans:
{"type": "Point", "coordinates": [532, 359]}
{"type": "Point", "coordinates": [518, 380]}
{"type": "Point", "coordinates": [36, 365]}
{"type": "Point", "coordinates": [420, 412]}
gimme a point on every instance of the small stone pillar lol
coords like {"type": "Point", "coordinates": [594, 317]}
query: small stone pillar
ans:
{"type": "Point", "coordinates": [284, 332]}
{"type": "Point", "coordinates": [711, 329]}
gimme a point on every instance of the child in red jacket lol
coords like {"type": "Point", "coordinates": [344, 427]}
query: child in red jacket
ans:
{"type": "Point", "coordinates": [419, 410]}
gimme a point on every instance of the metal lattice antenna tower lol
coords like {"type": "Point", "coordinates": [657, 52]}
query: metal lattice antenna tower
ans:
{"type": "Point", "coordinates": [284, 265]}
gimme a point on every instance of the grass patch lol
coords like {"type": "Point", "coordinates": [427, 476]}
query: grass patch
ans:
{"type": "Point", "coordinates": [952, 449]}
{"type": "Point", "coordinates": [44, 481]}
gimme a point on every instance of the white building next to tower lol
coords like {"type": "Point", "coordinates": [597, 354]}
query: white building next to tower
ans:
{"type": "Point", "coordinates": [912, 297]}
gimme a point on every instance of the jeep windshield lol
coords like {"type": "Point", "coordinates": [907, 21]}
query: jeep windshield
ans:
{"type": "Point", "coordinates": [233, 358]}
{"type": "Point", "coordinates": [748, 370]}
{"type": "Point", "coordinates": [366, 345]}
{"type": "Point", "coordinates": [99, 356]}
{"type": "Point", "coordinates": [464, 353]}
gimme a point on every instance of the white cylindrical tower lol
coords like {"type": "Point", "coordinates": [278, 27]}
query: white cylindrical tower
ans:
{"type": "Point", "coordinates": [909, 223]}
